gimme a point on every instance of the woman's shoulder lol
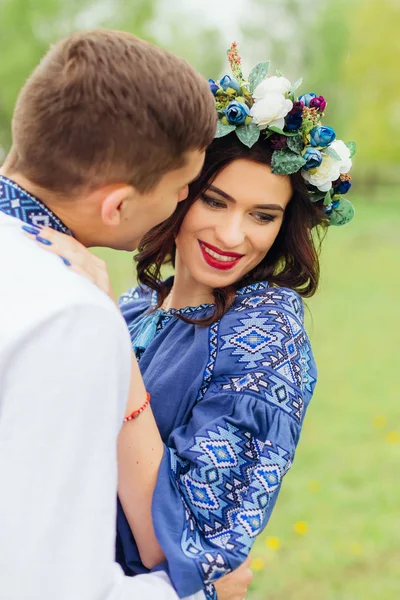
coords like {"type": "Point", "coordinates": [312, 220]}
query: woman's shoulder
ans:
{"type": "Point", "coordinates": [262, 342]}
{"type": "Point", "coordinates": [265, 300]}
{"type": "Point", "coordinates": [135, 301]}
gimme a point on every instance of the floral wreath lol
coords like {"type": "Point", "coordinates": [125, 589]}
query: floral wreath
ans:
{"type": "Point", "coordinates": [269, 106]}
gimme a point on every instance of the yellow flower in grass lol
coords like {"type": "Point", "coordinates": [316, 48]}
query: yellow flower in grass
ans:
{"type": "Point", "coordinates": [301, 528]}
{"type": "Point", "coordinates": [314, 486]}
{"type": "Point", "coordinates": [257, 564]}
{"type": "Point", "coordinates": [273, 543]}
{"type": "Point", "coordinates": [355, 548]}
{"type": "Point", "coordinates": [379, 422]}
{"type": "Point", "coordinates": [393, 437]}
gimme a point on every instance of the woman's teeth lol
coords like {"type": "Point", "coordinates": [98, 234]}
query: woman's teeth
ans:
{"type": "Point", "coordinates": [219, 257]}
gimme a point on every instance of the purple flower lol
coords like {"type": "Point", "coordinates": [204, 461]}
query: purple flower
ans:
{"type": "Point", "coordinates": [278, 141]}
{"type": "Point", "coordinates": [297, 107]}
{"type": "Point", "coordinates": [214, 87]}
{"type": "Point", "coordinates": [306, 98]}
{"type": "Point", "coordinates": [319, 103]}
{"type": "Point", "coordinates": [294, 121]}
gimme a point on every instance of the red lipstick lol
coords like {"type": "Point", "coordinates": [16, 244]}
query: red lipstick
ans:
{"type": "Point", "coordinates": [232, 258]}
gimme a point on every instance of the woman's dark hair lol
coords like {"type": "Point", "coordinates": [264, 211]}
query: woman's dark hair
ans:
{"type": "Point", "coordinates": [292, 261]}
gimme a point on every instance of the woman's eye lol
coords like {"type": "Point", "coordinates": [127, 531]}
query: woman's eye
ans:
{"type": "Point", "coordinates": [212, 202]}
{"type": "Point", "coordinates": [264, 217]}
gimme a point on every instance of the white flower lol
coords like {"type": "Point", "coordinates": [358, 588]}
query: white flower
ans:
{"type": "Point", "coordinates": [271, 110]}
{"type": "Point", "coordinates": [330, 168]}
{"type": "Point", "coordinates": [322, 176]}
{"type": "Point", "coordinates": [343, 151]}
{"type": "Point", "coordinates": [271, 84]}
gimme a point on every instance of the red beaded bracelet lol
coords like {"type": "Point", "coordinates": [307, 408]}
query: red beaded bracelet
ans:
{"type": "Point", "coordinates": [136, 413]}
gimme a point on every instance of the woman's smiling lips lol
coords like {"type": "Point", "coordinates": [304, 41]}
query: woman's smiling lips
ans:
{"type": "Point", "coordinates": [218, 259]}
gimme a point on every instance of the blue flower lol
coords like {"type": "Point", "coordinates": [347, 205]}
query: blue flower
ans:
{"type": "Point", "coordinates": [230, 82]}
{"type": "Point", "coordinates": [313, 158]}
{"type": "Point", "coordinates": [294, 121]}
{"type": "Point", "coordinates": [214, 87]}
{"type": "Point", "coordinates": [322, 136]}
{"type": "Point", "coordinates": [343, 187]}
{"type": "Point", "coordinates": [306, 98]}
{"type": "Point", "coordinates": [236, 112]}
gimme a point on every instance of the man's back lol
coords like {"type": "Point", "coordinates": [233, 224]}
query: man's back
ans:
{"type": "Point", "coordinates": [64, 375]}
{"type": "Point", "coordinates": [58, 334]}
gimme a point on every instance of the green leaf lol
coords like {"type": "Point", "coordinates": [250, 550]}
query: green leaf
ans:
{"type": "Point", "coordinates": [223, 129]}
{"type": "Point", "coordinates": [295, 85]}
{"type": "Point", "coordinates": [286, 162]}
{"type": "Point", "coordinates": [295, 143]}
{"type": "Point", "coordinates": [258, 74]}
{"type": "Point", "coordinates": [281, 132]}
{"type": "Point", "coordinates": [332, 153]}
{"type": "Point", "coordinates": [352, 146]}
{"type": "Point", "coordinates": [278, 73]}
{"type": "Point", "coordinates": [248, 134]}
{"type": "Point", "coordinates": [316, 195]}
{"type": "Point", "coordinates": [328, 198]}
{"type": "Point", "coordinates": [342, 214]}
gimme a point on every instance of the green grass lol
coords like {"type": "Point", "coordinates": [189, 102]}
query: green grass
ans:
{"type": "Point", "coordinates": [345, 483]}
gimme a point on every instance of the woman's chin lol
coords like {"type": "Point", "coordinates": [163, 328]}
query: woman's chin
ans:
{"type": "Point", "coordinates": [218, 279]}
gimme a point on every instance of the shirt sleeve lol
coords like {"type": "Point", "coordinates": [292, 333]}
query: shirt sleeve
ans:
{"type": "Point", "coordinates": [63, 390]}
{"type": "Point", "coordinates": [221, 473]}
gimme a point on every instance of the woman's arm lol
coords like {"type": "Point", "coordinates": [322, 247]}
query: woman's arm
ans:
{"type": "Point", "coordinates": [140, 451]}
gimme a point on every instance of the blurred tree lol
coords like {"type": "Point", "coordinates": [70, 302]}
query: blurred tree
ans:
{"type": "Point", "coordinates": [347, 51]}
{"type": "Point", "coordinates": [278, 30]}
{"type": "Point", "coordinates": [357, 48]}
{"type": "Point", "coordinates": [371, 79]}
{"type": "Point", "coordinates": [28, 27]}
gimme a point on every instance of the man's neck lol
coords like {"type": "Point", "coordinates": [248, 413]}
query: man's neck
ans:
{"type": "Point", "coordinates": [63, 207]}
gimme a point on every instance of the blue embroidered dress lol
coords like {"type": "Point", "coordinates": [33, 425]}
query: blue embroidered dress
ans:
{"type": "Point", "coordinates": [229, 401]}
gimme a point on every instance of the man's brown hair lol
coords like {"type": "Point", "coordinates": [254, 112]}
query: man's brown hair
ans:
{"type": "Point", "coordinates": [106, 107]}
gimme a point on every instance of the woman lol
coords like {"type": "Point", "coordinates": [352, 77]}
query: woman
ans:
{"type": "Point", "coordinates": [221, 344]}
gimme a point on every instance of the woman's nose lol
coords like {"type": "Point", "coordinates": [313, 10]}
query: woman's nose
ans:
{"type": "Point", "coordinates": [230, 233]}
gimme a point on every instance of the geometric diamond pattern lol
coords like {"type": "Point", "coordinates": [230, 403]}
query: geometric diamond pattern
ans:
{"type": "Point", "coordinates": [242, 426]}
{"type": "Point", "coordinates": [250, 338]}
{"type": "Point", "coordinates": [17, 202]}
{"type": "Point", "coordinates": [260, 357]}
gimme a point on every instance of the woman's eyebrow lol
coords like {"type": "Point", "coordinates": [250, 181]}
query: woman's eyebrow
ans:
{"type": "Point", "coordinates": [215, 189]}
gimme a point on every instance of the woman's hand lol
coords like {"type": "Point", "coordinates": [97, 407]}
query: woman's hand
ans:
{"type": "Point", "coordinates": [74, 255]}
{"type": "Point", "coordinates": [234, 586]}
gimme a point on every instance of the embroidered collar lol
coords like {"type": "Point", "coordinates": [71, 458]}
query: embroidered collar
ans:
{"type": "Point", "coordinates": [248, 289]}
{"type": "Point", "coordinates": [17, 202]}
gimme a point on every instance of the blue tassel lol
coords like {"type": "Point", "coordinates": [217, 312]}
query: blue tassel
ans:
{"type": "Point", "coordinates": [144, 332]}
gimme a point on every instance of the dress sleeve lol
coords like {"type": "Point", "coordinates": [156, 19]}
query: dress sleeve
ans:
{"type": "Point", "coordinates": [221, 473]}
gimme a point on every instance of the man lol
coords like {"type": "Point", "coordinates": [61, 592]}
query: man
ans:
{"type": "Point", "coordinates": [107, 133]}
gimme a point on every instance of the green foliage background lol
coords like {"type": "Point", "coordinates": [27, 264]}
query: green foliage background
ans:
{"type": "Point", "coordinates": [335, 533]}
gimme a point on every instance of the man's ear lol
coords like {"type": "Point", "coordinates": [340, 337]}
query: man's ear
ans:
{"type": "Point", "coordinates": [112, 206]}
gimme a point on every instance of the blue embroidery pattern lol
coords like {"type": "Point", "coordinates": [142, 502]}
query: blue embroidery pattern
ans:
{"type": "Point", "coordinates": [228, 486]}
{"type": "Point", "coordinates": [227, 493]}
{"type": "Point", "coordinates": [281, 297]}
{"type": "Point", "coordinates": [224, 469]}
{"type": "Point", "coordinates": [208, 371]}
{"type": "Point", "coordinates": [17, 202]}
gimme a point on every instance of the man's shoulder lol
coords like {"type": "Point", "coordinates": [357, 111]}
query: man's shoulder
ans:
{"type": "Point", "coordinates": [35, 284]}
